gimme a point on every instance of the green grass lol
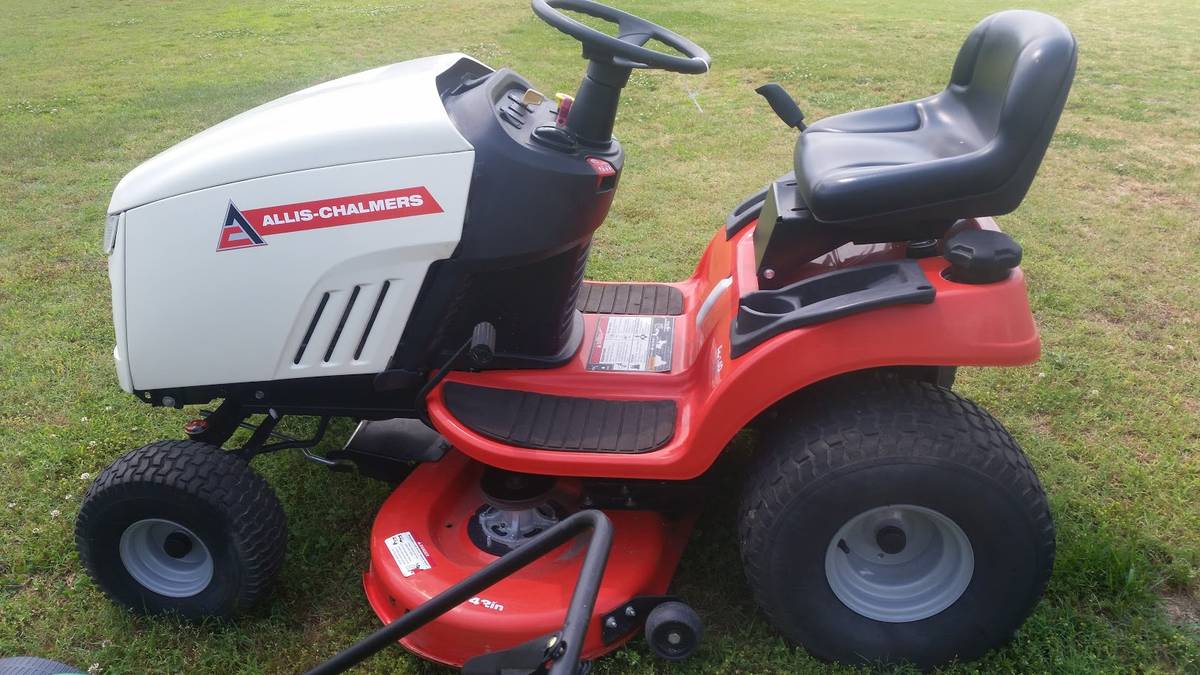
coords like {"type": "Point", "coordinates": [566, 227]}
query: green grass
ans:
{"type": "Point", "coordinates": [1110, 416]}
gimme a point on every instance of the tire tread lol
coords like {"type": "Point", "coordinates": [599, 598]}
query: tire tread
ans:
{"type": "Point", "coordinates": [860, 419]}
{"type": "Point", "coordinates": [256, 520]}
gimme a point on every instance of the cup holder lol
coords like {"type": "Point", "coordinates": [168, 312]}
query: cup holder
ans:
{"type": "Point", "coordinates": [764, 314]}
{"type": "Point", "coordinates": [770, 304]}
{"type": "Point", "coordinates": [761, 310]}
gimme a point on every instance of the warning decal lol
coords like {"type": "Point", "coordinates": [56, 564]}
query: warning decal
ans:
{"type": "Point", "coordinates": [409, 554]}
{"type": "Point", "coordinates": [633, 344]}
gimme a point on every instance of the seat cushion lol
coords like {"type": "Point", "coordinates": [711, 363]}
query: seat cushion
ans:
{"type": "Point", "coordinates": [887, 161]}
{"type": "Point", "coordinates": [970, 150]}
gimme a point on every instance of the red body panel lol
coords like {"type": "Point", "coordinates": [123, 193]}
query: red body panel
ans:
{"type": "Point", "coordinates": [716, 396]}
{"type": "Point", "coordinates": [966, 325]}
{"type": "Point", "coordinates": [435, 504]}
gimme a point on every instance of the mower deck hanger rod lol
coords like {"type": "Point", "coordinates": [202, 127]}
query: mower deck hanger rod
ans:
{"type": "Point", "coordinates": [563, 649]}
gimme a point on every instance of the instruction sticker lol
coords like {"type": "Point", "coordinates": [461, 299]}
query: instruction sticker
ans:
{"type": "Point", "coordinates": [633, 344]}
{"type": "Point", "coordinates": [409, 554]}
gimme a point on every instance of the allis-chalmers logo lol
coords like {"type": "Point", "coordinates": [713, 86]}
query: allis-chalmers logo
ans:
{"type": "Point", "coordinates": [243, 229]}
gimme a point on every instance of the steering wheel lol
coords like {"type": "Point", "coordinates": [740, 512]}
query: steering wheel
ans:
{"type": "Point", "coordinates": [626, 50]}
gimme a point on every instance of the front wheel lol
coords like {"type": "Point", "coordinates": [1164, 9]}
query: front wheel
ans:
{"type": "Point", "coordinates": [181, 527]}
{"type": "Point", "coordinates": [890, 520]}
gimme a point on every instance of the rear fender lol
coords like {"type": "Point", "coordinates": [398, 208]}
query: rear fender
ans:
{"type": "Point", "coordinates": [965, 325]}
{"type": "Point", "coordinates": [716, 395]}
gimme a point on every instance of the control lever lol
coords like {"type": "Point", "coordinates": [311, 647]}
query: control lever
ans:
{"type": "Point", "coordinates": [783, 104]}
{"type": "Point", "coordinates": [483, 344]}
{"type": "Point", "coordinates": [480, 349]}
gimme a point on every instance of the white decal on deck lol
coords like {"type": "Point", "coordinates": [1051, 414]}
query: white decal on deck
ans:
{"type": "Point", "coordinates": [409, 554]}
{"type": "Point", "coordinates": [486, 604]}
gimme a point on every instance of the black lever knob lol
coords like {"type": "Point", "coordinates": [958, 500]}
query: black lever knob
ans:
{"type": "Point", "coordinates": [783, 104]}
{"type": "Point", "coordinates": [981, 256]}
{"type": "Point", "coordinates": [483, 344]}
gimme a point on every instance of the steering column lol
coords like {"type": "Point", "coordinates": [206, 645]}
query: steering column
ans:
{"type": "Point", "coordinates": [612, 59]}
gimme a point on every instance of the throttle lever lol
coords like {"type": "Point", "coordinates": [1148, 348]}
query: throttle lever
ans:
{"type": "Point", "coordinates": [783, 104]}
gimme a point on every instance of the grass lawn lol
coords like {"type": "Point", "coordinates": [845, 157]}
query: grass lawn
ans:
{"type": "Point", "coordinates": [1111, 230]}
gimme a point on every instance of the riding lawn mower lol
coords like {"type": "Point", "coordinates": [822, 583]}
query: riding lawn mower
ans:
{"type": "Point", "coordinates": [407, 247]}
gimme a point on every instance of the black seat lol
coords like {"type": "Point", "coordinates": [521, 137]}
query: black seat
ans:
{"type": "Point", "coordinates": [971, 150]}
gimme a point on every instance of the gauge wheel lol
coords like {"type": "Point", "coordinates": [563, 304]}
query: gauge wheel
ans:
{"type": "Point", "coordinates": [673, 631]}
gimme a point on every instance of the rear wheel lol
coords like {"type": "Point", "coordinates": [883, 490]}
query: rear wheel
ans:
{"type": "Point", "coordinates": [184, 527]}
{"type": "Point", "coordinates": [890, 520]}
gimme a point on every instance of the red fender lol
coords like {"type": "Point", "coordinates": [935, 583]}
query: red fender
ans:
{"type": "Point", "coordinates": [966, 325]}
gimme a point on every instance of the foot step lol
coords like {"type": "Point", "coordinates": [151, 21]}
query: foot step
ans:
{"type": "Point", "coordinates": [643, 299]}
{"type": "Point", "coordinates": [567, 423]}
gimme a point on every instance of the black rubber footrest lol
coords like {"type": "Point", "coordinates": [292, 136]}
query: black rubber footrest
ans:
{"type": "Point", "coordinates": [643, 299]}
{"type": "Point", "coordinates": [566, 423]}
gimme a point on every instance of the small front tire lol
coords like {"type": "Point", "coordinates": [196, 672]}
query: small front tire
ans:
{"type": "Point", "coordinates": [181, 527]}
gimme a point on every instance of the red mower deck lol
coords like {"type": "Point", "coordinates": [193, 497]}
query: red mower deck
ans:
{"type": "Point", "coordinates": [434, 506]}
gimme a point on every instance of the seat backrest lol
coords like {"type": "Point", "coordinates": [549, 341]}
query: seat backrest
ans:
{"type": "Point", "coordinates": [909, 170]}
{"type": "Point", "coordinates": [1012, 75]}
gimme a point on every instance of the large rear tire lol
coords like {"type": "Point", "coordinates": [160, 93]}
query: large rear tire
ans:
{"type": "Point", "coordinates": [181, 527]}
{"type": "Point", "coordinates": [889, 521]}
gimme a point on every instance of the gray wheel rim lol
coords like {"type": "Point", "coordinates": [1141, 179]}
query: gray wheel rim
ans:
{"type": "Point", "coordinates": [899, 563]}
{"type": "Point", "coordinates": [166, 557]}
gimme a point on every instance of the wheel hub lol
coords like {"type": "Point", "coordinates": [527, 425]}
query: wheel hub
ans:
{"type": "Point", "coordinates": [899, 563]}
{"type": "Point", "coordinates": [166, 558]}
{"type": "Point", "coordinates": [177, 545]}
{"type": "Point", "coordinates": [890, 539]}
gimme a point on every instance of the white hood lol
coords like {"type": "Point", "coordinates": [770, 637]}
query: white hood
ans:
{"type": "Point", "coordinates": [385, 113]}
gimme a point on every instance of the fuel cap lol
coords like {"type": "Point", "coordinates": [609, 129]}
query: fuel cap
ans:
{"type": "Point", "coordinates": [981, 256]}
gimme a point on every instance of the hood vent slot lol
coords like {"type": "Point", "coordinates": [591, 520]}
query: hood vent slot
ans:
{"type": "Point", "coordinates": [312, 326]}
{"type": "Point", "coordinates": [362, 341]}
{"type": "Point", "coordinates": [337, 334]}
